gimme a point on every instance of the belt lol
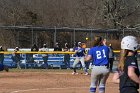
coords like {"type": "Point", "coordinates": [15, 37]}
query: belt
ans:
{"type": "Point", "coordinates": [100, 65]}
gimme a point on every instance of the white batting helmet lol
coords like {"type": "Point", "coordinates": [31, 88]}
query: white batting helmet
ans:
{"type": "Point", "coordinates": [130, 43]}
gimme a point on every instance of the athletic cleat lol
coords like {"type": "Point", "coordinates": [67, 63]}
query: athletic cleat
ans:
{"type": "Point", "coordinates": [74, 73]}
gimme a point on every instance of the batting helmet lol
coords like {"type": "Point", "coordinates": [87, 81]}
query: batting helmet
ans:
{"type": "Point", "coordinates": [130, 43]}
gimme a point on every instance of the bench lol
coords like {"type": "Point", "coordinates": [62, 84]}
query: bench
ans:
{"type": "Point", "coordinates": [53, 61]}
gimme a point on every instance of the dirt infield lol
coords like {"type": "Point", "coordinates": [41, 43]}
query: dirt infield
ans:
{"type": "Point", "coordinates": [48, 81]}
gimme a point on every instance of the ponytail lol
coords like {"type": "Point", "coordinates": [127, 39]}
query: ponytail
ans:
{"type": "Point", "coordinates": [97, 41]}
{"type": "Point", "coordinates": [123, 54]}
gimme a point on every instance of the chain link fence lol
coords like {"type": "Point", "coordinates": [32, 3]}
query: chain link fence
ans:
{"type": "Point", "coordinates": [26, 36]}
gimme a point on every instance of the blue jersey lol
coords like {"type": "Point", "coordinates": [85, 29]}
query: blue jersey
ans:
{"type": "Point", "coordinates": [100, 55]}
{"type": "Point", "coordinates": [80, 52]}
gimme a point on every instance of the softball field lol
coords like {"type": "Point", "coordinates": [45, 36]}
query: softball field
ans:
{"type": "Point", "coordinates": [48, 81]}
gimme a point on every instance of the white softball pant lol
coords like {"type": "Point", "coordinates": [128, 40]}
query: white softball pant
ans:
{"type": "Point", "coordinates": [80, 59]}
{"type": "Point", "coordinates": [99, 76]}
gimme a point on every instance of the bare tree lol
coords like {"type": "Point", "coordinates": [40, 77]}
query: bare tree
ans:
{"type": "Point", "coordinates": [67, 13]}
{"type": "Point", "coordinates": [117, 11]}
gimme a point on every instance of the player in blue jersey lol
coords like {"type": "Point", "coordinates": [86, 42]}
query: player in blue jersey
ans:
{"type": "Point", "coordinates": [80, 55]}
{"type": "Point", "coordinates": [4, 67]}
{"type": "Point", "coordinates": [99, 53]}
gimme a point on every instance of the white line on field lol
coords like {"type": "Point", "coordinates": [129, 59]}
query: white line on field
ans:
{"type": "Point", "coordinates": [65, 88]}
{"type": "Point", "coordinates": [72, 88]}
{"type": "Point", "coordinates": [18, 91]}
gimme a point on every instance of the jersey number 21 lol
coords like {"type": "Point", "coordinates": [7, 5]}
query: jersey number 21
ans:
{"type": "Point", "coordinates": [100, 53]}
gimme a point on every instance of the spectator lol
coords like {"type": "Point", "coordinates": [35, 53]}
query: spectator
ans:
{"type": "Point", "coordinates": [88, 62]}
{"type": "Point", "coordinates": [1, 55]}
{"type": "Point", "coordinates": [34, 48]}
{"type": "Point", "coordinates": [67, 56]}
{"type": "Point", "coordinates": [45, 56]}
{"type": "Point", "coordinates": [104, 41]}
{"type": "Point", "coordinates": [29, 57]}
{"type": "Point", "coordinates": [111, 57]}
{"type": "Point", "coordinates": [75, 46]}
{"type": "Point", "coordinates": [57, 47]}
{"type": "Point", "coordinates": [16, 57]}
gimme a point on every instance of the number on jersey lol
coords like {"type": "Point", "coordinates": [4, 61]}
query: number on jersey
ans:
{"type": "Point", "coordinates": [100, 53]}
